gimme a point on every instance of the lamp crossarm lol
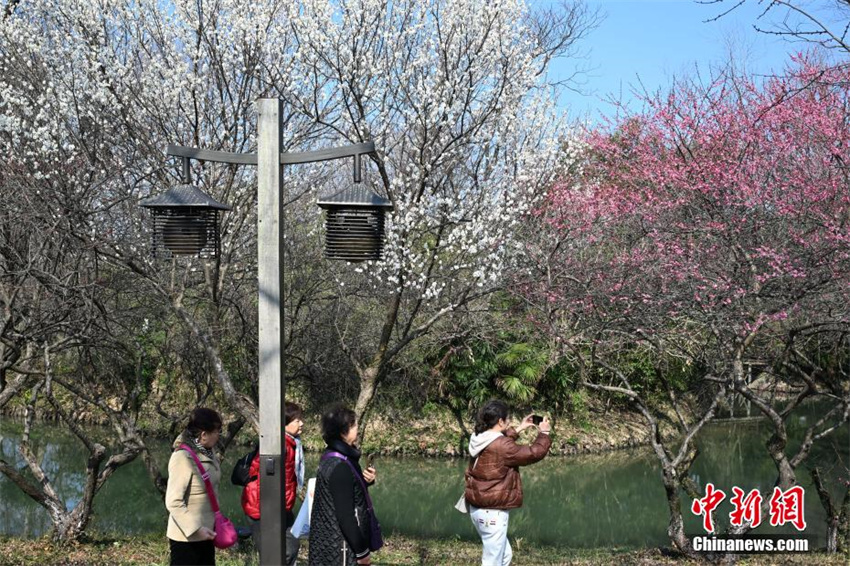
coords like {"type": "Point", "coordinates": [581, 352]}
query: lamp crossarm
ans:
{"type": "Point", "coordinates": [290, 158]}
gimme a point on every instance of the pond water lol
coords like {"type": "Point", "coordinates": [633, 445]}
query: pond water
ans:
{"type": "Point", "coordinates": [608, 500]}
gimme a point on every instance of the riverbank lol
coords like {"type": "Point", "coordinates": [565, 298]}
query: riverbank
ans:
{"type": "Point", "coordinates": [431, 431]}
{"type": "Point", "coordinates": [438, 433]}
{"type": "Point", "coordinates": [153, 551]}
{"type": "Point", "coordinates": [590, 427]}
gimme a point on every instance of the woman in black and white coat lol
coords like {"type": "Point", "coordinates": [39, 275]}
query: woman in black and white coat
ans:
{"type": "Point", "coordinates": [339, 525]}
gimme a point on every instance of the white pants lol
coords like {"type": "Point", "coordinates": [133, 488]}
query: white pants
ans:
{"type": "Point", "coordinates": [492, 527]}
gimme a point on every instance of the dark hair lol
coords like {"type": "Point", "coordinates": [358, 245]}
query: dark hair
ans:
{"type": "Point", "coordinates": [337, 420]}
{"type": "Point", "coordinates": [291, 412]}
{"type": "Point", "coordinates": [489, 415]}
{"type": "Point", "coordinates": [203, 420]}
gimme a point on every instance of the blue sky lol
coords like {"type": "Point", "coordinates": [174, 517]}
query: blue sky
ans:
{"type": "Point", "coordinates": [655, 40]}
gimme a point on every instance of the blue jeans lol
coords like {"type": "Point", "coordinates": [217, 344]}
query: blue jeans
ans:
{"type": "Point", "coordinates": [492, 527]}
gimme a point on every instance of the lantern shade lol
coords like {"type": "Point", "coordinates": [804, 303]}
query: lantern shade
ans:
{"type": "Point", "coordinates": [354, 224]}
{"type": "Point", "coordinates": [185, 222]}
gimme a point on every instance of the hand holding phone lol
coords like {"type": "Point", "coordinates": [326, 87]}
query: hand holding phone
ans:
{"type": "Point", "coordinates": [369, 472]}
{"type": "Point", "coordinates": [536, 419]}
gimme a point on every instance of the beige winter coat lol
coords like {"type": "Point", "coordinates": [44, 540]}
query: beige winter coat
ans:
{"type": "Point", "coordinates": [186, 496]}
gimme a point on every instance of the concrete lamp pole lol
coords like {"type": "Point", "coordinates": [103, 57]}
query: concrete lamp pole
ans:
{"type": "Point", "coordinates": [270, 266]}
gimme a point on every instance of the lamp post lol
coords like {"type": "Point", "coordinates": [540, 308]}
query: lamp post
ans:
{"type": "Point", "coordinates": [270, 266]}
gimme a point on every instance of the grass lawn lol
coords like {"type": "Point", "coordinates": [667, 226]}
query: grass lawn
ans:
{"type": "Point", "coordinates": [103, 551]}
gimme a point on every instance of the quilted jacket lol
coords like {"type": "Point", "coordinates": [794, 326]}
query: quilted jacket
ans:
{"type": "Point", "coordinates": [251, 492]}
{"type": "Point", "coordinates": [493, 482]}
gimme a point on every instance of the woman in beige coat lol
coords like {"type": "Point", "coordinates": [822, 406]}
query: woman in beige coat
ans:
{"type": "Point", "coordinates": [191, 519]}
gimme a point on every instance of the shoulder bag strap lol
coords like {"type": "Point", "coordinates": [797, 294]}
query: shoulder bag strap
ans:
{"type": "Point", "coordinates": [204, 475]}
{"type": "Point", "coordinates": [345, 459]}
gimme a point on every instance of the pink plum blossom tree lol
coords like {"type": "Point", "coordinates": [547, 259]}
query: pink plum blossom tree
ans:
{"type": "Point", "coordinates": [708, 231]}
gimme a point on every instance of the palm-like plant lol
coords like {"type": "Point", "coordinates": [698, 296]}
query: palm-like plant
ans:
{"type": "Point", "coordinates": [476, 371]}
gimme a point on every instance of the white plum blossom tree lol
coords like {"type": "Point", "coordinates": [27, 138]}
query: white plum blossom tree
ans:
{"type": "Point", "coordinates": [456, 96]}
{"type": "Point", "coordinates": [455, 93]}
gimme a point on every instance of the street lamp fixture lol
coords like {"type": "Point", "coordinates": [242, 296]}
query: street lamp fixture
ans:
{"type": "Point", "coordinates": [185, 220]}
{"type": "Point", "coordinates": [183, 230]}
{"type": "Point", "coordinates": [354, 224]}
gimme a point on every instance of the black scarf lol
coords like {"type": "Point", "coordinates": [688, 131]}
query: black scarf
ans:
{"type": "Point", "coordinates": [347, 450]}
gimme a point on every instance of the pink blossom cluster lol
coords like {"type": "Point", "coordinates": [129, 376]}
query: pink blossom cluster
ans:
{"type": "Point", "coordinates": [726, 204]}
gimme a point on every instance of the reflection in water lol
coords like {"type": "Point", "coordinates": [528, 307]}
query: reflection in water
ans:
{"type": "Point", "coordinates": [608, 500]}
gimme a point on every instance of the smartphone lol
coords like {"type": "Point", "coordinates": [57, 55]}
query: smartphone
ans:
{"type": "Point", "coordinates": [370, 459]}
{"type": "Point", "coordinates": [536, 419]}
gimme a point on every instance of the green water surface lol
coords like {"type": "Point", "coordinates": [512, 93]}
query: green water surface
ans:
{"type": "Point", "coordinates": [608, 500]}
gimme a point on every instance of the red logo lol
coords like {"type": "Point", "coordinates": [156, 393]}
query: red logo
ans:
{"type": "Point", "coordinates": [746, 508]}
{"type": "Point", "coordinates": [787, 507]}
{"type": "Point", "coordinates": [707, 505]}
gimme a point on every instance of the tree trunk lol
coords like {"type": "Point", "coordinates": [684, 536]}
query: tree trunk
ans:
{"type": "Point", "coordinates": [153, 472]}
{"type": "Point", "coordinates": [70, 526]}
{"type": "Point", "coordinates": [8, 389]}
{"type": "Point", "coordinates": [241, 403]}
{"type": "Point", "coordinates": [3, 365]}
{"type": "Point", "coordinates": [65, 527]}
{"type": "Point", "coordinates": [844, 522]}
{"type": "Point", "coordinates": [131, 437]}
{"type": "Point", "coordinates": [368, 387]}
{"type": "Point", "coordinates": [465, 434]}
{"type": "Point", "coordinates": [831, 512]}
{"type": "Point", "coordinates": [369, 375]}
{"type": "Point", "coordinates": [676, 526]}
{"type": "Point", "coordinates": [19, 383]}
{"type": "Point", "coordinates": [777, 442]}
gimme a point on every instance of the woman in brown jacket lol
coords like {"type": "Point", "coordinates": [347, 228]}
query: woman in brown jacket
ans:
{"type": "Point", "coordinates": [493, 485]}
{"type": "Point", "coordinates": [190, 516]}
